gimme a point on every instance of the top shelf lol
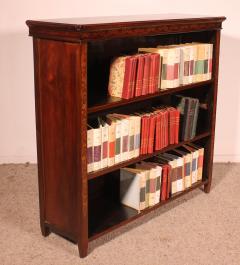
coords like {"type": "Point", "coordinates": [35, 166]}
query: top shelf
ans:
{"type": "Point", "coordinates": [113, 102]}
{"type": "Point", "coordinates": [92, 28]}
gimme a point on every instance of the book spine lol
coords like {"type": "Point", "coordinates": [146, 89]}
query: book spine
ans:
{"type": "Point", "coordinates": [195, 119]}
{"type": "Point", "coordinates": [195, 64]}
{"type": "Point", "coordinates": [111, 144]}
{"type": "Point", "coordinates": [146, 74]}
{"type": "Point", "coordinates": [180, 176]}
{"type": "Point", "coordinates": [186, 72]}
{"type": "Point", "coordinates": [164, 183]}
{"type": "Point", "coordinates": [133, 76]}
{"type": "Point", "coordinates": [97, 143]}
{"type": "Point", "coordinates": [146, 135]}
{"type": "Point", "coordinates": [210, 47]}
{"type": "Point", "coordinates": [137, 134]}
{"type": "Point", "coordinates": [189, 128]}
{"type": "Point", "coordinates": [176, 66]}
{"type": "Point", "coordinates": [152, 186]}
{"type": "Point", "coordinates": [200, 163]}
{"type": "Point", "coordinates": [194, 167]}
{"type": "Point", "coordinates": [139, 78]}
{"type": "Point", "coordinates": [104, 160]}
{"type": "Point", "coordinates": [188, 170]}
{"type": "Point", "coordinates": [158, 184]}
{"type": "Point", "coordinates": [157, 73]}
{"type": "Point", "coordinates": [142, 191]}
{"type": "Point", "coordinates": [177, 125]}
{"type": "Point", "coordinates": [173, 165]}
{"type": "Point", "coordinates": [127, 78]}
{"type": "Point", "coordinates": [118, 142]}
{"type": "Point", "coordinates": [147, 174]}
{"type": "Point", "coordinates": [199, 68]}
{"type": "Point", "coordinates": [131, 137]}
{"type": "Point", "coordinates": [191, 64]}
{"type": "Point", "coordinates": [151, 133]}
{"type": "Point", "coordinates": [171, 127]}
{"type": "Point", "coordinates": [125, 139]}
{"type": "Point", "coordinates": [143, 123]}
{"type": "Point", "coordinates": [90, 150]}
{"type": "Point", "coordinates": [116, 77]}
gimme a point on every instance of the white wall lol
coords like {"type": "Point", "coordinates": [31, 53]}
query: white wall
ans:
{"type": "Point", "coordinates": [17, 120]}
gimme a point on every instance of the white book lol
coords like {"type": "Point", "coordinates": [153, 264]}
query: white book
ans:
{"type": "Point", "coordinates": [137, 135]}
{"type": "Point", "coordinates": [124, 139]}
{"type": "Point", "coordinates": [210, 57]}
{"type": "Point", "coordinates": [97, 145]}
{"type": "Point", "coordinates": [90, 150]}
{"type": "Point", "coordinates": [131, 153]}
{"type": "Point", "coordinates": [118, 143]}
{"type": "Point", "coordinates": [132, 187]}
{"type": "Point", "coordinates": [104, 149]}
{"type": "Point", "coordinates": [194, 166]}
{"type": "Point", "coordinates": [180, 181]}
{"type": "Point", "coordinates": [111, 143]}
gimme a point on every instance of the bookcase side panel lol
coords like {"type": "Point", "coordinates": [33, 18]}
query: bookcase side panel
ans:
{"type": "Point", "coordinates": [209, 149]}
{"type": "Point", "coordinates": [61, 128]}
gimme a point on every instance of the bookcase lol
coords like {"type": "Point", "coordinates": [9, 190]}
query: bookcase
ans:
{"type": "Point", "coordinates": [71, 67]}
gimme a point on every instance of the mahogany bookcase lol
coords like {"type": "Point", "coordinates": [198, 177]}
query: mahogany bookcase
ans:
{"type": "Point", "coordinates": [71, 67]}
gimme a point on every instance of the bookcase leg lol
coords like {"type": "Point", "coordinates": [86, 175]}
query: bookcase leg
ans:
{"type": "Point", "coordinates": [45, 230]}
{"type": "Point", "coordinates": [83, 249]}
{"type": "Point", "coordinates": [207, 187]}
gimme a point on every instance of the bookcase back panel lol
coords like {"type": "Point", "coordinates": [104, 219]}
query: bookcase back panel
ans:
{"type": "Point", "coordinates": [101, 53]}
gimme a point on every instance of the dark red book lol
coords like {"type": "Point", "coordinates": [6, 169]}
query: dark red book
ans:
{"type": "Point", "coordinates": [146, 134]}
{"type": "Point", "coordinates": [152, 127]}
{"type": "Point", "coordinates": [172, 125]}
{"type": "Point", "coordinates": [154, 73]}
{"type": "Point", "coordinates": [133, 76]}
{"type": "Point", "coordinates": [139, 75]}
{"type": "Point", "coordinates": [127, 77]}
{"type": "Point", "coordinates": [146, 74]}
{"type": "Point", "coordinates": [164, 183]}
{"type": "Point", "coordinates": [143, 122]}
{"type": "Point", "coordinates": [177, 124]}
{"type": "Point", "coordinates": [157, 74]}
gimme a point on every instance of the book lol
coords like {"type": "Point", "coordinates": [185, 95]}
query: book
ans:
{"type": "Point", "coordinates": [119, 76]}
{"type": "Point", "coordinates": [133, 188]}
{"type": "Point", "coordinates": [90, 150]}
{"type": "Point", "coordinates": [200, 159]}
{"type": "Point", "coordinates": [139, 75]}
{"type": "Point", "coordinates": [104, 150]}
{"type": "Point", "coordinates": [111, 141]}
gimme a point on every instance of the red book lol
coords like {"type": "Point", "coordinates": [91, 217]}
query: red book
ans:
{"type": "Point", "coordinates": [127, 78]}
{"type": "Point", "coordinates": [177, 124]}
{"type": "Point", "coordinates": [169, 169]}
{"type": "Point", "coordinates": [157, 74]}
{"type": "Point", "coordinates": [152, 126]}
{"type": "Point", "coordinates": [143, 122]}
{"type": "Point", "coordinates": [164, 185]}
{"type": "Point", "coordinates": [146, 74]}
{"type": "Point", "coordinates": [133, 76]}
{"type": "Point", "coordinates": [166, 129]}
{"type": "Point", "coordinates": [146, 134]}
{"type": "Point", "coordinates": [139, 76]}
{"type": "Point", "coordinates": [159, 131]}
{"type": "Point", "coordinates": [154, 73]}
{"type": "Point", "coordinates": [172, 124]}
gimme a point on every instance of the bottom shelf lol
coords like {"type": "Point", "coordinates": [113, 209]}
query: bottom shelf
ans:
{"type": "Point", "coordinates": [108, 215]}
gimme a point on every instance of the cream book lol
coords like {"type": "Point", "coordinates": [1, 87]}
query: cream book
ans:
{"type": "Point", "coordinates": [133, 188]}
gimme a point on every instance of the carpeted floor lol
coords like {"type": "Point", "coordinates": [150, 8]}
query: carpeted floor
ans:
{"type": "Point", "coordinates": [196, 229]}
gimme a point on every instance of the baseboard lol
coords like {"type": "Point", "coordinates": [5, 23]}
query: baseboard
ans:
{"type": "Point", "coordinates": [226, 158]}
{"type": "Point", "coordinates": [33, 159]}
{"type": "Point", "coordinates": [17, 159]}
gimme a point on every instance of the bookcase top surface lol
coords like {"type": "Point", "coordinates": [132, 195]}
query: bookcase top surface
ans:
{"type": "Point", "coordinates": [89, 25]}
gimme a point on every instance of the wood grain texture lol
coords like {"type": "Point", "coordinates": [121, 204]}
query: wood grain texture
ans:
{"type": "Point", "coordinates": [71, 60]}
{"type": "Point", "coordinates": [90, 29]}
{"type": "Point", "coordinates": [61, 135]}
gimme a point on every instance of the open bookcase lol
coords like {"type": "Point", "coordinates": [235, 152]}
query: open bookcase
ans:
{"type": "Point", "coordinates": [71, 65]}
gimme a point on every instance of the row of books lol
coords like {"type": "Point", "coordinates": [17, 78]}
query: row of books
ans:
{"type": "Point", "coordinates": [157, 68]}
{"type": "Point", "coordinates": [119, 137]}
{"type": "Point", "coordinates": [148, 183]}
{"type": "Point", "coordinates": [189, 110]}
{"type": "Point", "coordinates": [136, 75]}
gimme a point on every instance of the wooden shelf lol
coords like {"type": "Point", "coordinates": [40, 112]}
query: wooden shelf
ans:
{"type": "Point", "coordinates": [108, 216]}
{"type": "Point", "coordinates": [114, 102]}
{"type": "Point", "coordinates": [106, 170]}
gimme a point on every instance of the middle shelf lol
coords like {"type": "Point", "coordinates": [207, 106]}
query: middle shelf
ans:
{"type": "Point", "coordinates": [106, 170]}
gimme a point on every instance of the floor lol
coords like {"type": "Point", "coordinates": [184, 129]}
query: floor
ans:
{"type": "Point", "coordinates": [196, 229]}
